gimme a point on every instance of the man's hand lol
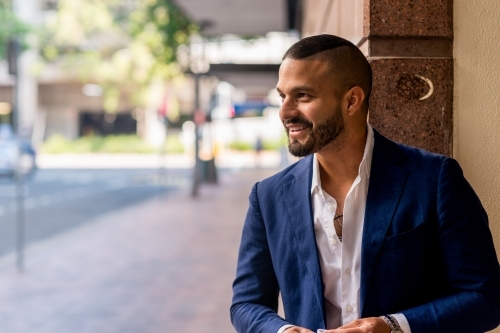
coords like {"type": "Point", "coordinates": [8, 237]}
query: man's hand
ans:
{"type": "Point", "coordinates": [297, 329]}
{"type": "Point", "coordinates": [364, 325]}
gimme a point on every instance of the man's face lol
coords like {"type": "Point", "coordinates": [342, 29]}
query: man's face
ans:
{"type": "Point", "coordinates": [311, 111]}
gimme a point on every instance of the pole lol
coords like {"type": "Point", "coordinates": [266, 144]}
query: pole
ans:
{"type": "Point", "coordinates": [19, 7]}
{"type": "Point", "coordinates": [162, 170]}
{"type": "Point", "coordinates": [197, 164]}
{"type": "Point", "coordinates": [13, 57]}
{"type": "Point", "coordinates": [20, 223]}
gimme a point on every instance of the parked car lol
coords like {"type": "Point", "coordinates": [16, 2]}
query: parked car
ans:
{"type": "Point", "coordinates": [9, 157]}
{"type": "Point", "coordinates": [17, 157]}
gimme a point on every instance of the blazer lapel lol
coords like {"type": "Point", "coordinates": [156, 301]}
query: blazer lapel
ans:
{"type": "Point", "coordinates": [297, 195]}
{"type": "Point", "coordinates": [387, 180]}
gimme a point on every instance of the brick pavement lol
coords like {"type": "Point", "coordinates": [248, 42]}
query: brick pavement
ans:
{"type": "Point", "coordinates": [163, 266]}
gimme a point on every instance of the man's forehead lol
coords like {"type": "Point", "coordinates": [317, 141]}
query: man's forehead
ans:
{"type": "Point", "coordinates": [303, 73]}
{"type": "Point", "coordinates": [305, 70]}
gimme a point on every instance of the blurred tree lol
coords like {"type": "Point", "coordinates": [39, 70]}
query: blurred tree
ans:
{"type": "Point", "coordinates": [10, 26]}
{"type": "Point", "coordinates": [124, 46]}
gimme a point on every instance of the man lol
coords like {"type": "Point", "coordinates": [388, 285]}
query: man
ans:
{"type": "Point", "coordinates": [363, 234]}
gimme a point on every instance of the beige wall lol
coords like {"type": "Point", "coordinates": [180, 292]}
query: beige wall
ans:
{"type": "Point", "coordinates": [477, 101]}
{"type": "Point", "coordinates": [338, 17]}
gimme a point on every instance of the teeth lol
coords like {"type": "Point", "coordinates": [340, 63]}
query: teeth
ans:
{"type": "Point", "coordinates": [296, 129]}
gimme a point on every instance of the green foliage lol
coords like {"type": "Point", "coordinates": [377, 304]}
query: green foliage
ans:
{"type": "Point", "coordinates": [120, 46]}
{"type": "Point", "coordinates": [162, 27]}
{"type": "Point", "coordinates": [10, 26]}
{"type": "Point", "coordinates": [241, 145]}
{"type": "Point", "coordinates": [113, 144]}
{"type": "Point", "coordinates": [266, 145]}
{"type": "Point", "coordinates": [88, 144]}
{"type": "Point", "coordinates": [173, 144]}
{"type": "Point", "coordinates": [56, 144]}
{"type": "Point", "coordinates": [273, 144]}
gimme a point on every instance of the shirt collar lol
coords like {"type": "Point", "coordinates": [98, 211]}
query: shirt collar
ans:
{"type": "Point", "coordinates": [364, 166]}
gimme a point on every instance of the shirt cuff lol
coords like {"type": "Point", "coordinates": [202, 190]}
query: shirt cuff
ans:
{"type": "Point", "coordinates": [403, 322]}
{"type": "Point", "coordinates": [284, 327]}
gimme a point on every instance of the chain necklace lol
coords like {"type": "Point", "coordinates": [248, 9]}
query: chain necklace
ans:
{"type": "Point", "coordinates": [338, 219]}
{"type": "Point", "coordinates": [338, 232]}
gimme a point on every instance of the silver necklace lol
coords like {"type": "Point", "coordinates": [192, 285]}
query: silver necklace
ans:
{"type": "Point", "coordinates": [338, 218]}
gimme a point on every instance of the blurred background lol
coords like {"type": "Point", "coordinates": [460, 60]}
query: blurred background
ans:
{"type": "Point", "coordinates": [132, 131]}
{"type": "Point", "coordinates": [101, 97]}
{"type": "Point", "coordinates": [142, 77]}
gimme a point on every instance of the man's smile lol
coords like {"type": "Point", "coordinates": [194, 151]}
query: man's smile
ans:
{"type": "Point", "coordinates": [296, 128]}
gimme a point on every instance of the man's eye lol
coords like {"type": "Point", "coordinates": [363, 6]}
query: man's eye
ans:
{"type": "Point", "coordinates": [302, 96]}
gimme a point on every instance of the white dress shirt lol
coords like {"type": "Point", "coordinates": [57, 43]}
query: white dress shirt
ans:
{"type": "Point", "coordinates": [341, 261]}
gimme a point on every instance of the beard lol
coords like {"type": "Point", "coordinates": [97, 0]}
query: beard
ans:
{"type": "Point", "coordinates": [319, 137]}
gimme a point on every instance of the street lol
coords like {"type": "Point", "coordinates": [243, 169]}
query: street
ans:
{"type": "Point", "coordinates": [165, 264]}
{"type": "Point", "coordinates": [57, 200]}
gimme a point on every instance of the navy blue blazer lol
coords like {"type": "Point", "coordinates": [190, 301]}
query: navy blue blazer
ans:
{"type": "Point", "coordinates": [427, 250]}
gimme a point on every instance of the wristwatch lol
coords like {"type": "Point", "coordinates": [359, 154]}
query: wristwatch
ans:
{"type": "Point", "coordinates": [393, 323]}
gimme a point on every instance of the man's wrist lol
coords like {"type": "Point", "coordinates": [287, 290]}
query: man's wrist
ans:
{"type": "Point", "coordinates": [392, 323]}
{"type": "Point", "coordinates": [284, 328]}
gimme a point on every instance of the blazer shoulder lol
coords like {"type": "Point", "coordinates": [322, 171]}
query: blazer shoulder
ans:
{"type": "Point", "coordinates": [415, 158]}
{"type": "Point", "coordinates": [301, 168]}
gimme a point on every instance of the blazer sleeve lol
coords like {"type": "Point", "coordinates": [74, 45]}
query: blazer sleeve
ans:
{"type": "Point", "coordinates": [471, 264]}
{"type": "Point", "coordinates": [255, 288]}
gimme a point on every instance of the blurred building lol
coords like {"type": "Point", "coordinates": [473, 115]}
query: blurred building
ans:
{"type": "Point", "coordinates": [52, 101]}
{"type": "Point", "coordinates": [239, 50]}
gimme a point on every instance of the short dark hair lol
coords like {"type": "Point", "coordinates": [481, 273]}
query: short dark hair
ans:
{"type": "Point", "coordinates": [346, 60]}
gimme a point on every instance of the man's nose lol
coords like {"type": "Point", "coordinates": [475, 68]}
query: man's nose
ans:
{"type": "Point", "coordinates": [288, 109]}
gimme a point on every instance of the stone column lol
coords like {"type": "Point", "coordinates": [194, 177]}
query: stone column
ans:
{"type": "Point", "coordinates": [409, 45]}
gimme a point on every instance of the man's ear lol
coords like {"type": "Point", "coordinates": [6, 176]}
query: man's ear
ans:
{"type": "Point", "coordinates": [355, 97]}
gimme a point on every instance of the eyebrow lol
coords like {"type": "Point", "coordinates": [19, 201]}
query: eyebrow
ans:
{"type": "Point", "coordinates": [299, 88]}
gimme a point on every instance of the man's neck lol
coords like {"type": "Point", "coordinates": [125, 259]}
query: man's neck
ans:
{"type": "Point", "coordinates": [339, 164]}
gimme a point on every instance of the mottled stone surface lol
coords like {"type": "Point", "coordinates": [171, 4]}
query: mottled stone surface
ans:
{"type": "Point", "coordinates": [397, 112]}
{"type": "Point", "coordinates": [424, 47]}
{"type": "Point", "coordinates": [408, 18]}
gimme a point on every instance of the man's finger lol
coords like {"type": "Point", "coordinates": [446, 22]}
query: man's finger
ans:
{"type": "Point", "coordinates": [348, 330]}
{"type": "Point", "coordinates": [364, 325]}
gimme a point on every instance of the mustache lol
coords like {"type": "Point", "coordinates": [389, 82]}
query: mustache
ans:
{"type": "Point", "coordinates": [298, 120]}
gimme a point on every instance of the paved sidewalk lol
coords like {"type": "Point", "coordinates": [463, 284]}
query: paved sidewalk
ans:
{"type": "Point", "coordinates": [228, 159]}
{"type": "Point", "coordinates": [163, 266]}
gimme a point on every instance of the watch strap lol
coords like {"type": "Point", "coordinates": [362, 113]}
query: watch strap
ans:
{"type": "Point", "coordinates": [393, 323]}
